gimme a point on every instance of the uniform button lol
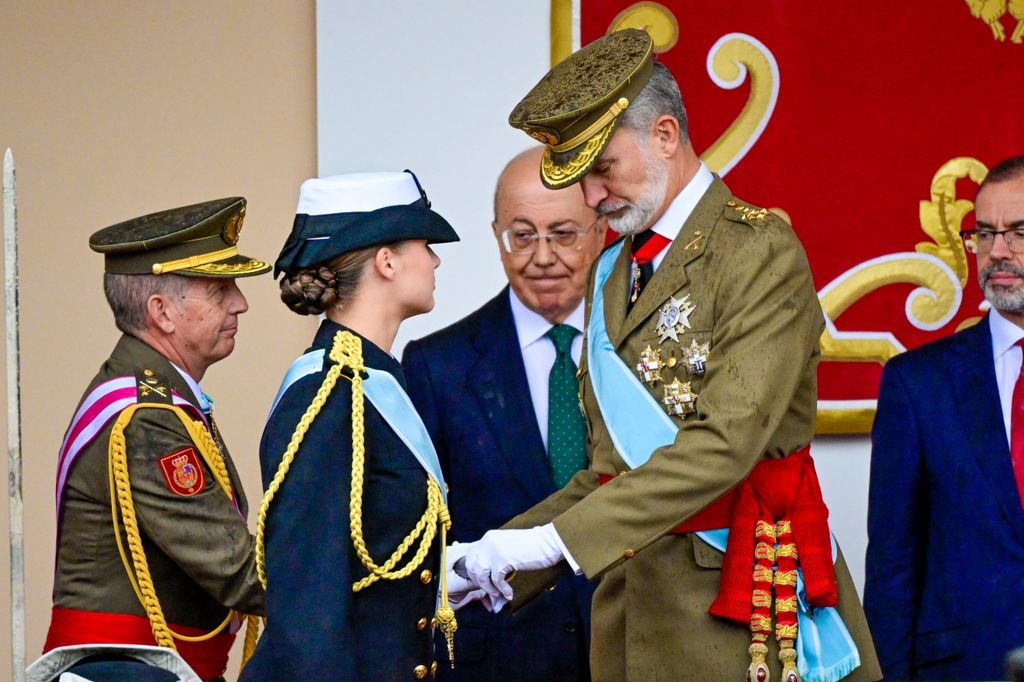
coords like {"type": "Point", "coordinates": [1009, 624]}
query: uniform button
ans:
{"type": "Point", "coordinates": [426, 576]}
{"type": "Point", "coordinates": [421, 623]}
{"type": "Point", "coordinates": [622, 473]}
{"type": "Point", "coordinates": [419, 672]}
{"type": "Point", "coordinates": [433, 668]}
{"type": "Point", "coordinates": [629, 554]}
{"type": "Point", "coordinates": [433, 622]}
{"type": "Point", "coordinates": [569, 626]}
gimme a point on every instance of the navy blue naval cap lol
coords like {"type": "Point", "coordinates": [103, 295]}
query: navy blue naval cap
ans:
{"type": "Point", "coordinates": [344, 213]}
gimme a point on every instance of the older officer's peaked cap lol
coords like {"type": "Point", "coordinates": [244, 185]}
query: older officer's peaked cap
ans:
{"type": "Point", "coordinates": [344, 213]}
{"type": "Point", "coordinates": [575, 108]}
{"type": "Point", "coordinates": [200, 240]}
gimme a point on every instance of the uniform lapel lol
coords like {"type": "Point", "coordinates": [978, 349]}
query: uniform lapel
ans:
{"type": "Point", "coordinates": [498, 381]}
{"type": "Point", "coordinates": [615, 292]}
{"type": "Point", "coordinates": [686, 247]}
{"type": "Point", "coordinates": [974, 382]}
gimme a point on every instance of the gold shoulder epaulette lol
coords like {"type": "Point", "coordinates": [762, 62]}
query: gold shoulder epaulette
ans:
{"type": "Point", "coordinates": [745, 212]}
{"type": "Point", "coordinates": [151, 389]}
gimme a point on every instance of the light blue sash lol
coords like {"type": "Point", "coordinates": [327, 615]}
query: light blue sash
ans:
{"type": "Point", "coordinates": [390, 400]}
{"type": "Point", "coordinates": [638, 426]}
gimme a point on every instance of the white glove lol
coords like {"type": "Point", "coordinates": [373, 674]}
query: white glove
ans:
{"type": "Point", "coordinates": [491, 559]}
{"type": "Point", "coordinates": [461, 591]}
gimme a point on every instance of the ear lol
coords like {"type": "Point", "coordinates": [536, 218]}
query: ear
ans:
{"type": "Point", "coordinates": [159, 314]}
{"type": "Point", "coordinates": [665, 131]}
{"type": "Point", "coordinates": [384, 263]}
{"type": "Point", "coordinates": [494, 229]}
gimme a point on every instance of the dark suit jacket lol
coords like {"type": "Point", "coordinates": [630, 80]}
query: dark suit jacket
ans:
{"type": "Point", "coordinates": [469, 384]}
{"type": "Point", "coordinates": [945, 558]}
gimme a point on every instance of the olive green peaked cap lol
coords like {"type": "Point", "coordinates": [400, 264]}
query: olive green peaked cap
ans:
{"type": "Point", "coordinates": [575, 108]}
{"type": "Point", "coordinates": [198, 241]}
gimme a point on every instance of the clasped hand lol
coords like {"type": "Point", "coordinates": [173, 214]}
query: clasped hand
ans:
{"type": "Point", "coordinates": [492, 559]}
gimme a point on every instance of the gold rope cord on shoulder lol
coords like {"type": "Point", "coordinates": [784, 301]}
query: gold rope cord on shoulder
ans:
{"type": "Point", "coordinates": [121, 500]}
{"type": "Point", "coordinates": [347, 351]}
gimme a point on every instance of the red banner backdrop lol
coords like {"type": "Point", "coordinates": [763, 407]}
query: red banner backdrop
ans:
{"type": "Point", "coordinates": [869, 125]}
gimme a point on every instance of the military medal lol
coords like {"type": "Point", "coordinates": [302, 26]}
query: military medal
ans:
{"type": "Point", "coordinates": [635, 279]}
{"type": "Point", "coordinates": [674, 318]}
{"type": "Point", "coordinates": [649, 367]}
{"type": "Point", "coordinates": [680, 400]}
{"type": "Point", "coordinates": [697, 357]}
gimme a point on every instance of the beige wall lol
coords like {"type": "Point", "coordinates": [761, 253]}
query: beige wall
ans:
{"type": "Point", "coordinates": [115, 109]}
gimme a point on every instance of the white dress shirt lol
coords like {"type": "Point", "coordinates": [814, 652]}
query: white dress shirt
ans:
{"type": "Point", "coordinates": [677, 213]}
{"type": "Point", "coordinates": [1007, 358]}
{"type": "Point", "coordinates": [539, 353]}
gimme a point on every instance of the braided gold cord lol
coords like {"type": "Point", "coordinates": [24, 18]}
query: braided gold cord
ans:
{"type": "Point", "coordinates": [347, 351]}
{"type": "Point", "coordinates": [121, 500]}
{"type": "Point", "coordinates": [286, 462]}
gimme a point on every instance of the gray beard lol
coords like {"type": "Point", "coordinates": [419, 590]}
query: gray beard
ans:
{"type": "Point", "coordinates": [636, 216]}
{"type": "Point", "coordinates": [1002, 299]}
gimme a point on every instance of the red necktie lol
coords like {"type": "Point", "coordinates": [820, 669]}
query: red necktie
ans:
{"type": "Point", "coordinates": [1017, 430]}
{"type": "Point", "coordinates": [649, 244]}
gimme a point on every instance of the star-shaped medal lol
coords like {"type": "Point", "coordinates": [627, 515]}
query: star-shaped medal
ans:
{"type": "Point", "coordinates": [680, 400]}
{"type": "Point", "coordinates": [649, 367]}
{"type": "Point", "coordinates": [697, 357]}
{"type": "Point", "coordinates": [674, 318]}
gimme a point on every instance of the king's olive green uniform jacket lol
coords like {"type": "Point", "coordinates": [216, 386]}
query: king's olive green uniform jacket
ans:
{"type": "Point", "coordinates": [199, 549]}
{"type": "Point", "coordinates": [748, 278]}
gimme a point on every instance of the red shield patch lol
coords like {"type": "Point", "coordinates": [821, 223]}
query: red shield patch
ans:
{"type": "Point", "coordinates": [183, 472]}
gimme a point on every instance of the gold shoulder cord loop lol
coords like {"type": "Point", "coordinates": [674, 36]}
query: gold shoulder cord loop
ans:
{"type": "Point", "coordinates": [121, 500]}
{"type": "Point", "coordinates": [347, 351]}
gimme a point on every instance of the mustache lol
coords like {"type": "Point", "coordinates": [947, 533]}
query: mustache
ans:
{"type": "Point", "coordinates": [604, 208]}
{"type": "Point", "coordinates": [1001, 267]}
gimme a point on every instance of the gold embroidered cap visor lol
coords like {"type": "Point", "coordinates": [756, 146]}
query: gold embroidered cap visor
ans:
{"type": "Point", "coordinates": [200, 240]}
{"type": "Point", "coordinates": [576, 106]}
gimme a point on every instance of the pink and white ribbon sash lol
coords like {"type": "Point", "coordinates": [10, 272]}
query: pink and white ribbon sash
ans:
{"type": "Point", "coordinates": [103, 404]}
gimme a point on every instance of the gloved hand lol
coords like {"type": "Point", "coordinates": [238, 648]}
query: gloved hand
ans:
{"type": "Point", "coordinates": [462, 591]}
{"type": "Point", "coordinates": [498, 553]}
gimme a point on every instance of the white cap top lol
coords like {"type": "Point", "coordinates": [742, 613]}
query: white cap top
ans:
{"type": "Point", "coordinates": [356, 193]}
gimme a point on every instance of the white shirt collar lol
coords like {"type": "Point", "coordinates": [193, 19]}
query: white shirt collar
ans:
{"type": "Point", "coordinates": [671, 221]}
{"type": "Point", "coordinates": [1005, 334]}
{"type": "Point", "coordinates": [204, 401]}
{"type": "Point", "coordinates": [531, 327]}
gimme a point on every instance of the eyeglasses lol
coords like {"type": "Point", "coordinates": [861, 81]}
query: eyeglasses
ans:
{"type": "Point", "coordinates": [981, 241]}
{"type": "Point", "coordinates": [522, 240]}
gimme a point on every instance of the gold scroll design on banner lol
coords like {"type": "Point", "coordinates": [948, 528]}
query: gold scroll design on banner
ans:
{"type": "Point", "coordinates": [992, 13]}
{"type": "Point", "coordinates": [939, 268]}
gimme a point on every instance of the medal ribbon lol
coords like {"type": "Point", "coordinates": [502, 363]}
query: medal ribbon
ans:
{"type": "Point", "coordinates": [648, 245]}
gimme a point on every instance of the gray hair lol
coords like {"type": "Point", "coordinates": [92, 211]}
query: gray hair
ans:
{"type": "Point", "coordinates": [659, 97]}
{"type": "Point", "coordinates": [128, 295]}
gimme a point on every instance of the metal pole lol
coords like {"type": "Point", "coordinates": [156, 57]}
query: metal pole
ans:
{"type": "Point", "coordinates": [14, 422]}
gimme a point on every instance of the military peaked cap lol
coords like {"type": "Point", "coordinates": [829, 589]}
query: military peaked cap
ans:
{"type": "Point", "coordinates": [575, 108]}
{"type": "Point", "coordinates": [198, 241]}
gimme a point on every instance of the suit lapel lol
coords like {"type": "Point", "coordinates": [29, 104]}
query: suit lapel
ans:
{"type": "Point", "coordinates": [974, 384]}
{"type": "Point", "coordinates": [498, 381]}
{"type": "Point", "coordinates": [686, 247]}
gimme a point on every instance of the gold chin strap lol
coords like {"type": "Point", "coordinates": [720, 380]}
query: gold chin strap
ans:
{"type": "Point", "coordinates": [121, 500]}
{"type": "Point", "coordinates": [347, 351]}
{"type": "Point", "coordinates": [194, 261]}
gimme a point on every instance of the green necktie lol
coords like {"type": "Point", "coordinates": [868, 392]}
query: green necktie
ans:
{"type": "Point", "coordinates": [567, 450]}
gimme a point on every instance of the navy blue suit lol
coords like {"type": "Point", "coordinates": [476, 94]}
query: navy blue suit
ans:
{"type": "Point", "coordinates": [945, 558]}
{"type": "Point", "coordinates": [317, 628]}
{"type": "Point", "coordinates": [469, 384]}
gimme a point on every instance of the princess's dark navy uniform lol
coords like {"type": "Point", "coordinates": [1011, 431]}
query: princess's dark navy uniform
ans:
{"type": "Point", "coordinates": [352, 525]}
